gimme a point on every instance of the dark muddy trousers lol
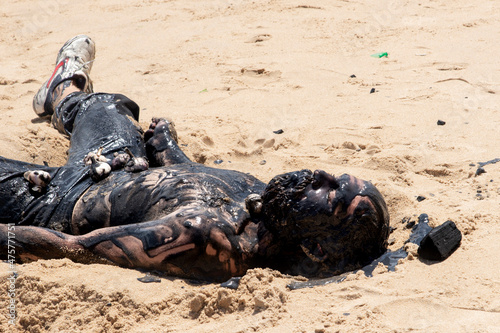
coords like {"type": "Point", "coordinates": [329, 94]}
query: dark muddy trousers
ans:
{"type": "Point", "coordinates": [92, 121]}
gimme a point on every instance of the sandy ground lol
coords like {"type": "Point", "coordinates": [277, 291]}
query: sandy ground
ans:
{"type": "Point", "coordinates": [231, 73]}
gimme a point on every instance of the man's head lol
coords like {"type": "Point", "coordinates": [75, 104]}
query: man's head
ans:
{"type": "Point", "coordinates": [325, 225]}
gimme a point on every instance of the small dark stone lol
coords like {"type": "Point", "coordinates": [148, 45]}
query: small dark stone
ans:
{"type": "Point", "coordinates": [262, 162]}
{"type": "Point", "coordinates": [480, 171]}
{"type": "Point", "coordinates": [440, 242]}
{"type": "Point", "coordinates": [372, 90]}
{"type": "Point", "coordinates": [420, 198]}
{"type": "Point", "coordinates": [441, 122]}
{"type": "Point", "coordinates": [218, 161]}
{"type": "Point", "coordinates": [149, 278]}
{"type": "Point", "coordinates": [410, 225]}
{"type": "Point", "coordinates": [352, 76]}
{"type": "Point", "coordinates": [472, 164]}
{"type": "Point", "coordinates": [232, 283]}
{"type": "Point", "coordinates": [108, 304]}
{"type": "Point", "coordinates": [280, 131]}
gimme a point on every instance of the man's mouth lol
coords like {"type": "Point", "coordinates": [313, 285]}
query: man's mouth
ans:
{"type": "Point", "coordinates": [313, 250]}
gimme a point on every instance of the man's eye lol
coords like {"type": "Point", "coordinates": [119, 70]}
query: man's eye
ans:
{"type": "Point", "coordinates": [316, 184]}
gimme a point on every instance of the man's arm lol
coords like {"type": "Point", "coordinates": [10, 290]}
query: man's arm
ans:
{"type": "Point", "coordinates": [145, 245]}
{"type": "Point", "coordinates": [31, 243]}
{"type": "Point", "coordinates": [189, 246]}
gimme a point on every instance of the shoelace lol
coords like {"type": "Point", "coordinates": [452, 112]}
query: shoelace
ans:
{"type": "Point", "coordinates": [85, 64]}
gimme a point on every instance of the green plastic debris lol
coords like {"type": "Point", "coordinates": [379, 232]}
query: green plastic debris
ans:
{"type": "Point", "coordinates": [202, 91]}
{"type": "Point", "coordinates": [380, 55]}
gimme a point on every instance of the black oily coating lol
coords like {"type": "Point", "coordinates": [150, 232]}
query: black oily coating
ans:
{"type": "Point", "coordinates": [86, 133]}
{"type": "Point", "coordinates": [132, 196]}
{"type": "Point", "coordinates": [354, 239]}
{"type": "Point", "coordinates": [54, 208]}
{"type": "Point", "coordinates": [351, 241]}
{"type": "Point", "coordinates": [280, 194]}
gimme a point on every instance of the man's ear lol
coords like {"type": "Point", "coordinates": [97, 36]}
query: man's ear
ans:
{"type": "Point", "coordinates": [253, 204]}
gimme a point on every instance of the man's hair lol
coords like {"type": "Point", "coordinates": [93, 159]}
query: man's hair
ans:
{"type": "Point", "coordinates": [280, 194]}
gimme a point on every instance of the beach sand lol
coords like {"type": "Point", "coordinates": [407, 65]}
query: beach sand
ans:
{"type": "Point", "coordinates": [229, 74]}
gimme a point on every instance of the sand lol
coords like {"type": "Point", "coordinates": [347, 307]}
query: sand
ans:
{"type": "Point", "coordinates": [231, 73]}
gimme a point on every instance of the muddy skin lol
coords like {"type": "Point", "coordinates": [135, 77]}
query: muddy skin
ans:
{"type": "Point", "coordinates": [339, 224]}
{"type": "Point", "coordinates": [389, 258]}
{"type": "Point", "coordinates": [189, 220]}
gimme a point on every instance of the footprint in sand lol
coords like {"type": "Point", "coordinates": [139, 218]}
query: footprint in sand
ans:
{"type": "Point", "coordinates": [368, 149]}
{"type": "Point", "coordinates": [208, 141]}
{"type": "Point", "coordinates": [265, 143]}
{"type": "Point", "coordinates": [258, 146]}
{"type": "Point", "coordinates": [259, 72]}
{"type": "Point", "coordinates": [259, 38]}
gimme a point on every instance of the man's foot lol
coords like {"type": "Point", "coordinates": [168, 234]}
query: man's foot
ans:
{"type": "Point", "coordinates": [160, 122]}
{"type": "Point", "coordinates": [73, 65]}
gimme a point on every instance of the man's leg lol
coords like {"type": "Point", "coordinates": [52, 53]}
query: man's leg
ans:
{"type": "Point", "coordinates": [93, 121]}
{"type": "Point", "coordinates": [99, 121]}
{"type": "Point", "coordinates": [17, 192]}
{"type": "Point", "coordinates": [71, 73]}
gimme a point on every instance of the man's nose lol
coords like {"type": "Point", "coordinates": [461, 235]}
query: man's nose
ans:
{"type": "Point", "coordinates": [322, 178]}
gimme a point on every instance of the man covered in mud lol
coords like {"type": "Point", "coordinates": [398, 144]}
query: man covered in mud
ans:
{"type": "Point", "coordinates": [136, 200]}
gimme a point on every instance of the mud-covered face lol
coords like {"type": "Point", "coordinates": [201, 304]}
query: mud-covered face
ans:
{"type": "Point", "coordinates": [315, 198]}
{"type": "Point", "coordinates": [337, 223]}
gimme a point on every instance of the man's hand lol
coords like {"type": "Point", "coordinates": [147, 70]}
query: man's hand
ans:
{"type": "Point", "coordinates": [161, 144]}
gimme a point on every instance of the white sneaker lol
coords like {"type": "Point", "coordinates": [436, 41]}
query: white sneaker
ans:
{"type": "Point", "coordinates": [73, 62]}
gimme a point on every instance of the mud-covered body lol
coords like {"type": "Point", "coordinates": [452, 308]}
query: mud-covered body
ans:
{"type": "Point", "coordinates": [180, 217]}
{"type": "Point", "coordinates": [126, 198]}
{"type": "Point", "coordinates": [194, 221]}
